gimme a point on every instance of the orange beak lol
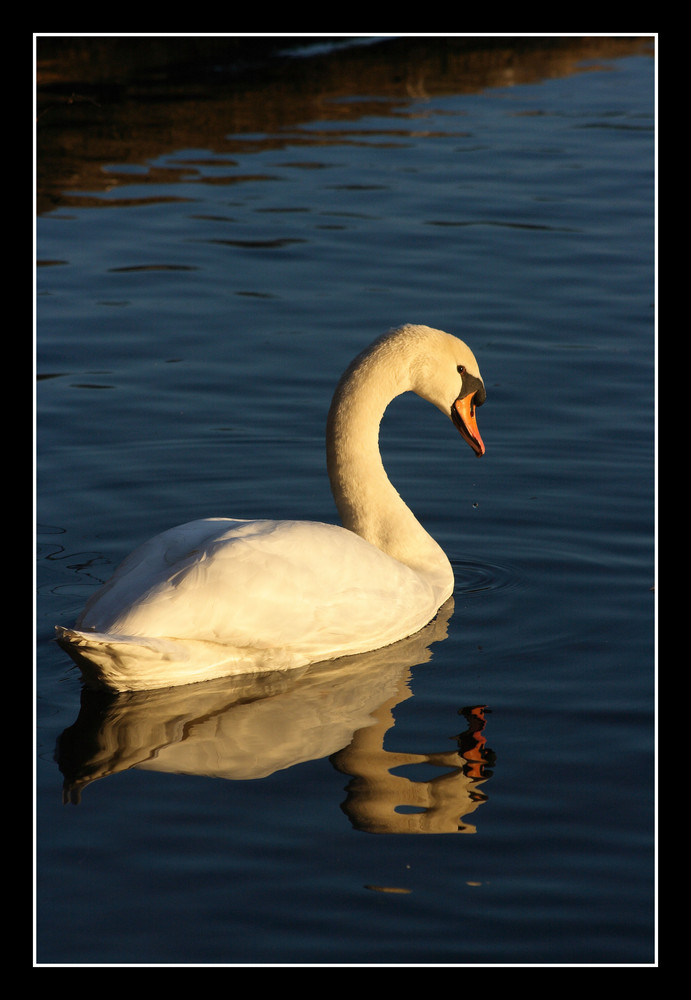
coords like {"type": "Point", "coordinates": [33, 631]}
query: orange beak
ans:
{"type": "Point", "coordinates": [463, 415]}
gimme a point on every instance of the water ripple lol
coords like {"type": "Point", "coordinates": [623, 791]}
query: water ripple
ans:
{"type": "Point", "coordinates": [474, 577]}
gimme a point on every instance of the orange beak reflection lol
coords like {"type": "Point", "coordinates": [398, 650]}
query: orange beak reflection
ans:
{"type": "Point", "coordinates": [463, 415]}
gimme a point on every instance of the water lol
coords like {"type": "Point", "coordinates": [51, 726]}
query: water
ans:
{"type": "Point", "coordinates": [483, 793]}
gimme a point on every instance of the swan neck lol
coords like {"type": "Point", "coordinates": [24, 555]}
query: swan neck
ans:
{"type": "Point", "coordinates": [367, 502]}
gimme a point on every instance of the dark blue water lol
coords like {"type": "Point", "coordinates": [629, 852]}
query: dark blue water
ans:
{"type": "Point", "coordinates": [483, 793]}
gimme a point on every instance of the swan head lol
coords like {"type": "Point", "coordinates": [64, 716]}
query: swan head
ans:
{"type": "Point", "coordinates": [472, 395]}
{"type": "Point", "coordinates": [446, 374]}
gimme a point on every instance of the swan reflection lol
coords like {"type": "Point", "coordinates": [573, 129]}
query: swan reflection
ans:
{"type": "Point", "coordinates": [380, 801]}
{"type": "Point", "coordinates": [244, 728]}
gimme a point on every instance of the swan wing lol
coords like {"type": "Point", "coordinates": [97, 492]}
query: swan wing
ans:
{"type": "Point", "coordinates": [317, 589]}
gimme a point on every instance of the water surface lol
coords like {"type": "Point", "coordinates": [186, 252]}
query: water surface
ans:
{"type": "Point", "coordinates": [483, 792]}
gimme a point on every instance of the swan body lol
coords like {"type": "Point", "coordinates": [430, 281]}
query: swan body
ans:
{"type": "Point", "coordinates": [221, 596]}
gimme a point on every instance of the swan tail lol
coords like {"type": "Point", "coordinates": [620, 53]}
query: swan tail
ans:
{"type": "Point", "coordinates": [107, 661]}
{"type": "Point", "coordinates": [136, 663]}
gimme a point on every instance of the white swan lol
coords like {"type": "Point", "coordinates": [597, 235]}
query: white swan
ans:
{"type": "Point", "coordinates": [222, 596]}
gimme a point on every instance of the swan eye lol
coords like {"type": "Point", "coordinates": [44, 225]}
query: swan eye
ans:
{"type": "Point", "coordinates": [461, 369]}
